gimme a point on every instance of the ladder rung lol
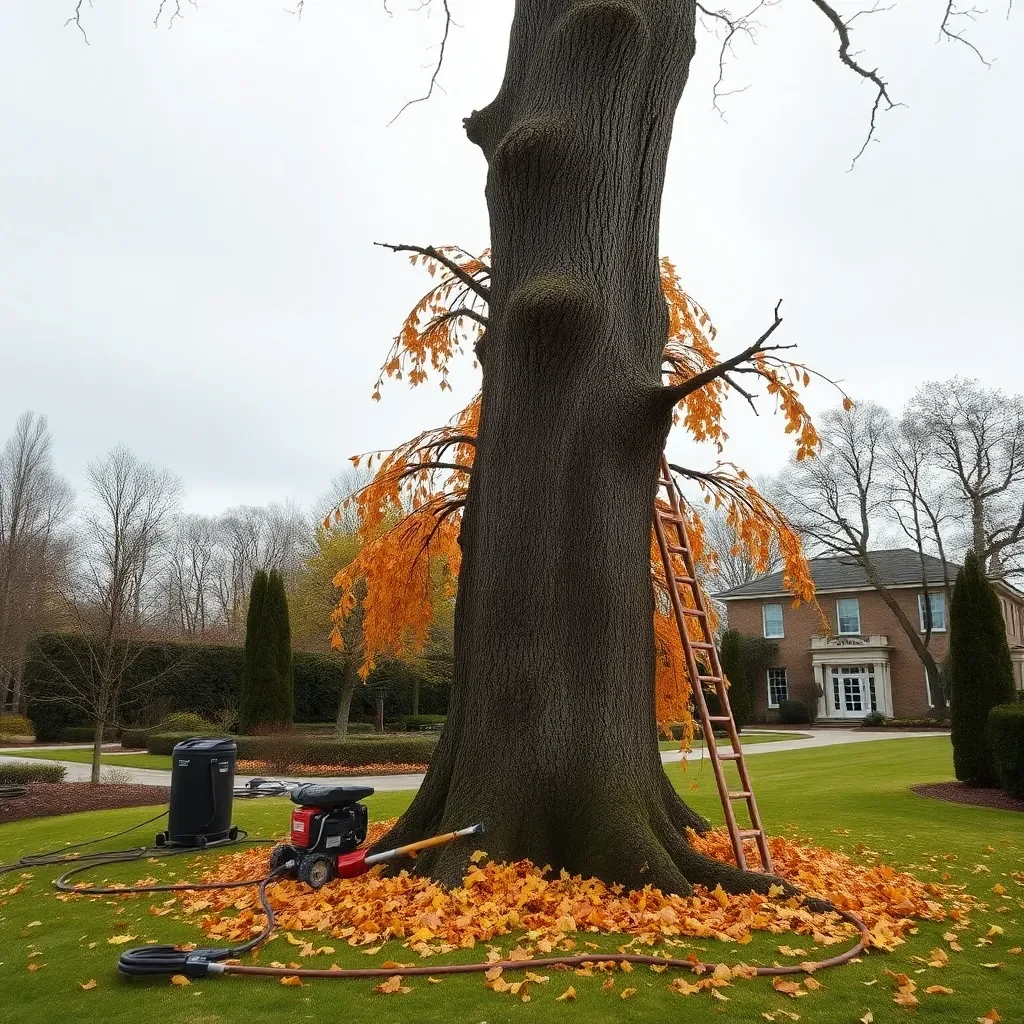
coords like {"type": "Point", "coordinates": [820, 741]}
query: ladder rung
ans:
{"type": "Point", "coordinates": [719, 718]}
{"type": "Point", "coordinates": [685, 579]}
{"type": "Point", "coordinates": [710, 679]}
{"type": "Point", "coordinates": [742, 795]}
{"type": "Point", "coordinates": [671, 517]}
{"type": "Point", "coordinates": [697, 613]}
{"type": "Point", "coordinates": [702, 645]}
{"type": "Point", "coordinates": [729, 757]}
{"type": "Point", "coordinates": [750, 833]}
{"type": "Point", "coordinates": [675, 549]}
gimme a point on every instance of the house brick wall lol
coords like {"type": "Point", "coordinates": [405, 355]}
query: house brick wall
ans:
{"type": "Point", "coordinates": [909, 692]}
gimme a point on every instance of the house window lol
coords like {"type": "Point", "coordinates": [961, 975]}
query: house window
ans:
{"type": "Point", "coordinates": [778, 687]}
{"type": "Point", "coordinates": [937, 607]}
{"type": "Point", "coordinates": [848, 615]}
{"type": "Point", "coordinates": [772, 614]}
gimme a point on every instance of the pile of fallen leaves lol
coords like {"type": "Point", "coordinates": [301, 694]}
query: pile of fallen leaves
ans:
{"type": "Point", "coordinates": [557, 911]}
{"type": "Point", "coordinates": [333, 770]}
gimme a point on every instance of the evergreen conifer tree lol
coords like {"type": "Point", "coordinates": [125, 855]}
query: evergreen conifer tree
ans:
{"type": "Point", "coordinates": [981, 672]}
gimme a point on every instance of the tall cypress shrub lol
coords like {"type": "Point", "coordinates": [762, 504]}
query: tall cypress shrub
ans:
{"type": "Point", "coordinates": [981, 672]}
{"type": "Point", "coordinates": [735, 669]}
{"type": "Point", "coordinates": [260, 666]}
{"type": "Point", "coordinates": [284, 694]}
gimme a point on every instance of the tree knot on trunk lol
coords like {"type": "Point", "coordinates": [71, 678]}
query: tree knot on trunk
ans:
{"type": "Point", "coordinates": [541, 152]}
{"type": "Point", "coordinates": [559, 313]}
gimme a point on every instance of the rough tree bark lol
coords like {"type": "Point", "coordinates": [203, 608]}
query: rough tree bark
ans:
{"type": "Point", "coordinates": [551, 737]}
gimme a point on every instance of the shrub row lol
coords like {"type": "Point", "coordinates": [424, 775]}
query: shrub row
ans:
{"type": "Point", "coordinates": [794, 712]}
{"type": "Point", "coordinates": [206, 679]}
{"type": "Point", "coordinates": [1006, 736]}
{"type": "Point", "coordinates": [285, 752]}
{"type": "Point", "coordinates": [15, 727]}
{"type": "Point", "coordinates": [19, 773]}
{"type": "Point", "coordinates": [415, 722]}
{"type": "Point", "coordinates": [84, 734]}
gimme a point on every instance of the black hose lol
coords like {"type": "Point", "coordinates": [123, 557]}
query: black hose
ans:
{"type": "Point", "coordinates": [151, 961]}
{"type": "Point", "coordinates": [6, 791]}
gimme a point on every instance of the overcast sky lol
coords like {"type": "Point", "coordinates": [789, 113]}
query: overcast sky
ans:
{"type": "Point", "coordinates": [187, 219]}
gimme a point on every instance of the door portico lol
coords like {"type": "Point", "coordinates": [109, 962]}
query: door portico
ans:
{"type": "Point", "coordinates": [852, 676]}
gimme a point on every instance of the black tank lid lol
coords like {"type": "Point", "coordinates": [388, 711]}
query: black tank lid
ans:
{"type": "Point", "coordinates": [206, 745]}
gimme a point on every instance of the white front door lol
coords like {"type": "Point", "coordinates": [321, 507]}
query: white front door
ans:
{"type": "Point", "coordinates": [852, 691]}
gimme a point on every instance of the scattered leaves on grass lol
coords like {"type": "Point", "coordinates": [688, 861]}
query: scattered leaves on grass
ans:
{"type": "Point", "coordinates": [393, 986]}
{"type": "Point", "coordinates": [119, 940]}
{"type": "Point", "coordinates": [293, 981]}
{"type": "Point", "coordinates": [868, 1018]}
{"type": "Point", "coordinates": [938, 990]}
{"type": "Point", "coordinates": [992, 1017]}
{"type": "Point", "coordinates": [994, 966]}
{"type": "Point", "coordinates": [567, 996]}
{"type": "Point", "coordinates": [34, 924]}
{"type": "Point", "coordinates": [87, 986]}
{"type": "Point", "coordinates": [682, 987]}
{"type": "Point", "coordinates": [180, 979]}
{"type": "Point", "coordinates": [627, 993]}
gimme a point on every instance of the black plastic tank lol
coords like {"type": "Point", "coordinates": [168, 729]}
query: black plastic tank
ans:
{"type": "Point", "coordinates": [202, 786]}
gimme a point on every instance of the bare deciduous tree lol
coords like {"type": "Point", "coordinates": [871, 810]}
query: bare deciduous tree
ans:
{"type": "Point", "coordinates": [109, 591]}
{"type": "Point", "coordinates": [34, 506]}
{"type": "Point", "coordinates": [839, 500]}
{"type": "Point", "coordinates": [977, 438]}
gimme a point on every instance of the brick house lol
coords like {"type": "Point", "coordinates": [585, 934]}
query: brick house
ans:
{"type": "Point", "coordinates": [845, 653]}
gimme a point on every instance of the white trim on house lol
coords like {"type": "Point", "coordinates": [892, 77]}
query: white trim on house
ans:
{"type": "Point", "coordinates": [823, 590]}
{"type": "Point", "coordinates": [863, 664]}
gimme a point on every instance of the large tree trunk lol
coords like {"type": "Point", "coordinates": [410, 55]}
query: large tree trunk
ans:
{"type": "Point", "coordinates": [551, 737]}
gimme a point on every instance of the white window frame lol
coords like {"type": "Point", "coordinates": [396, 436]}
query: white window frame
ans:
{"type": "Point", "coordinates": [764, 621]}
{"type": "Point", "coordinates": [768, 677]}
{"type": "Point", "coordinates": [928, 688]}
{"type": "Point", "coordinates": [920, 611]}
{"type": "Point", "coordinates": [839, 622]}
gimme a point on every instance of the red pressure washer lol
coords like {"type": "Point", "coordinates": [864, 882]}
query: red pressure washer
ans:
{"type": "Point", "coordinates": [328, 824]}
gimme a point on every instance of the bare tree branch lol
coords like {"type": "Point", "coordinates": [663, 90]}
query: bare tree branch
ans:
{"type": "Point", "coordinates": [959, 37]}
{"type": "Point", "coordinates": [467, 279]}
{"type": "Point", "coordinates": [437, 66]}
{"type": "Point", "coordinates": [882, 95]}
{"type": "Point", "coordinates": [678, 392]}
{"type": "Point", "coordinates": [76, 20]}
{"type": "Point", "coordinates": [733, 26]}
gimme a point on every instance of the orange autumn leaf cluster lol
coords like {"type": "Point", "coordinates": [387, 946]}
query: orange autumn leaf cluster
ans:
{"type": "Point", "coordinates": [410, 513]}
{"type": "Point", "coordinates": [559, 912]}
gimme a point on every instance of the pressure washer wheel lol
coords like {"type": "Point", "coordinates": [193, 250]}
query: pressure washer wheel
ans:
{"type": "Point", "coordinates": [316, 870]}
{"type": "Point", "coordinates": [280, 855]}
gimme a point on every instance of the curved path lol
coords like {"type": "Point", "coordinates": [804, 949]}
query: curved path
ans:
{"type": "Point", "coordinates": [78, 772]}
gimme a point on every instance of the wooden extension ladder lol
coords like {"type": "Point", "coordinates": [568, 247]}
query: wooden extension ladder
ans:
{"type": "Point", "coordinates": [688, 605]}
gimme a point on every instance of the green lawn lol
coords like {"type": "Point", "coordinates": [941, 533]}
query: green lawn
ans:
{"type": "Point", "coordinates": [839, 796]}
{"type": "Point", "coordinates": [136, 760]}
{"type": "Point", "coordinates": [748, 739]}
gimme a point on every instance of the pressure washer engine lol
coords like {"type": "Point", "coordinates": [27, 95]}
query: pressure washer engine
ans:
{"type": "Point", "coordinates": [328, 823]}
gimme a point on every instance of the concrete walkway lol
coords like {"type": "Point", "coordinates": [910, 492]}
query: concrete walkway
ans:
{"type": "Point", "coordinates": [77, 772]}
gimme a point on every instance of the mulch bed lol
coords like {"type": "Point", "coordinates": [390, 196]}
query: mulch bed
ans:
{"type": "Point", "coordinates": [45, 799]}
{"type": "Point", "coordinates": [976, 796]}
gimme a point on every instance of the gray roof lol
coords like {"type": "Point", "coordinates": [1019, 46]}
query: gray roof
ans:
{"type": "Point", "coordinates": [899, 567]}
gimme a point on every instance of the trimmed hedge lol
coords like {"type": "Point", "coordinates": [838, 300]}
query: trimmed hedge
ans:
{"type": "Point", "coordinates": [206, 679]}
{"type": "Point", "coordinates": [794, 712]}
{"type": "Point", "coordinates": [1006, 737]}
{"type": "Point", "coordinates": [286, 751]}
{"type": "Point", "coordinates": [415, 722]}
{"type": "Point", "coordinates": [86, 734]}
{"type": "Point", "coordinates": [20, 773]}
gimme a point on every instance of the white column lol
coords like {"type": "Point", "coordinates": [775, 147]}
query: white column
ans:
{"type": "Point", "coordinates": [885, 695]}
{"type": "Point", "coordinates": [819, 678]}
